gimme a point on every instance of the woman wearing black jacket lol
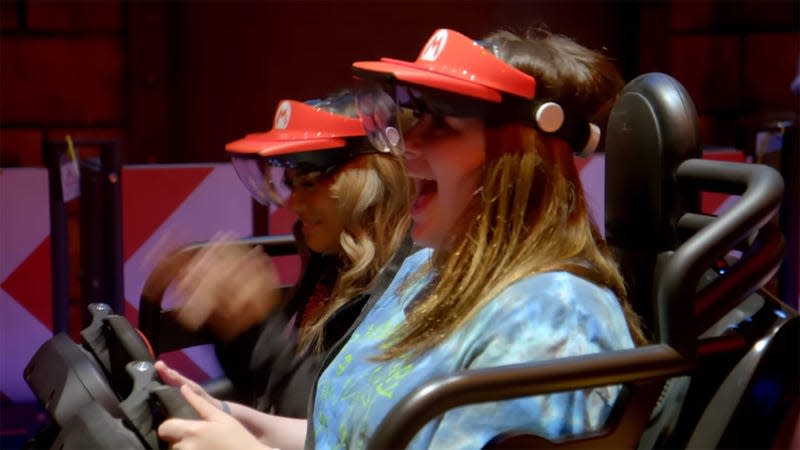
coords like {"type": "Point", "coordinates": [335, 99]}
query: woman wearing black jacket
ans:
{"type": "Point", "coordinates": [352, 207]}
{"type": "Point", "coordinates": [263, 363]}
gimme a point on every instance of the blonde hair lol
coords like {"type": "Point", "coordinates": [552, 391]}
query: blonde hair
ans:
{"type": "Point", "coordinates": [529, 214]}
{"type": "Point", "coordinates": [373, 194]}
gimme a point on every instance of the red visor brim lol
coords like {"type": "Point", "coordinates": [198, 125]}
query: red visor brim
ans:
{"type": "Point", "coordinates": [257, 144]}
{"type": "Point", "coordinates": [410, 72]}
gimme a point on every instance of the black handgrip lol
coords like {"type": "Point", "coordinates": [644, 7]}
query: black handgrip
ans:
{"type": "Point", "coordinates": [131, 342]}
{"type": "Point", "coordinates": [174, 404]}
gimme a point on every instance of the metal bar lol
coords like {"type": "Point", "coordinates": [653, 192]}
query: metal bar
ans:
{"type": "Point", "coordinates": [59, 245]}
{"type": "Point", "coordinates": [432, 399]}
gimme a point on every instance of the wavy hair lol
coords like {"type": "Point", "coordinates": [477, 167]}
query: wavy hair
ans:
{"type": "Point", "coordinates": [373, 194]}
{"type": "Point", "coordinates": [529, 214]}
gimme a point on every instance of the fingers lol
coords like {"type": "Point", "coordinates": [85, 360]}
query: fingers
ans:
{"type": "Point", "coordinates": [173, 430]}
{"type": "Point", "coordinates": [259, 261]}
{"type": "Point", "coordinates": [165, 373]}
{"type": "Point", "coordinates": [204, 408]}
{"type": "Point", "coordinates": [250, 291]}
{"type": "Point", "coordinates": [195, 310]}
{"type": "Point", "coordinates": [201, 283]}
{"type": "Point", "coordinates": [228, 286]}
{"type": "Point", "coordinates": [214, 431]}
{"type": "Point", "coordinates": [169, 375]}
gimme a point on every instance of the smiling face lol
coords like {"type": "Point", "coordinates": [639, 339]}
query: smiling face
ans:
{"type": "Point", "coordinates": [444, 156]}
{"type": "Point", "coordinates": [318, 211]}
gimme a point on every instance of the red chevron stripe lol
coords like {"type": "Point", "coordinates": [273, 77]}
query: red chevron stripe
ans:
{"type": "Point", "coordinates": [150, 196]}
{"type": "Point", "coordinates": [580, 162]}
{"type": "Point", "coordinates": [30, 284]}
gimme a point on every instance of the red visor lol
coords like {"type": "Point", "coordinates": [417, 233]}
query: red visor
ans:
{"type": "Point", "coordinates": [455, 63]}
{"type": "Point", "coordinates": [299, 127]}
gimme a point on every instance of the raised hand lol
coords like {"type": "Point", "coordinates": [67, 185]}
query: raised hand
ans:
{"type": "Point", "coordinates": [227, 286]}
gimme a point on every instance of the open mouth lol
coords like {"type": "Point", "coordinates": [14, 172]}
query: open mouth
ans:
{"type": "Point", "coordinates": [426, 189]}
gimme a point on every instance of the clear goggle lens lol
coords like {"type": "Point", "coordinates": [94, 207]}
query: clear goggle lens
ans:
{"type": "Point", "coordinates": [258, 177]}
{"type": "Point", "coordinates": [273, 183]}
{"type": "Point", "coordinates": [255, 174]}
{"type": "Point", "coordinates": [389, 111]}
{"type": "Point", "coordinates": [379, 116]}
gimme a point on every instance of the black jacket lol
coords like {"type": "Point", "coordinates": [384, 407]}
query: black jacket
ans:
{"type": "Point", "coordinates": [263, 363]}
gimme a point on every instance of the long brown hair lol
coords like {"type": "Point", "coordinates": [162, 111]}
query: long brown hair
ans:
{"type": "Point", "coordinates": [529, 214]}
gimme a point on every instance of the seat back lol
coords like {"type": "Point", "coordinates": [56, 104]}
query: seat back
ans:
{"type": "Point", "coordinates": [652, 129]}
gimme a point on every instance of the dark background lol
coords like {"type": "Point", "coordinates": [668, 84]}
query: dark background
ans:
{"type": "Point", "coordinates": [173, 81]}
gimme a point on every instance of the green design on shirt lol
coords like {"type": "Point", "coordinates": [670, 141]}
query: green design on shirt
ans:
{"type": "Point", "coordinates": [385, 379]}
{"type": "Point", "coordinates": [344, 364]}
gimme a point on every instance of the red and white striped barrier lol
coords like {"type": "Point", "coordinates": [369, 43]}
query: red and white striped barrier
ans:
{"type": "Point", "coordinates": [176, 204]}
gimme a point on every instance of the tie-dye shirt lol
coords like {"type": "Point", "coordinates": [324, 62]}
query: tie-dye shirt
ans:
{"type": "Point", "coordinates": [542, 317]}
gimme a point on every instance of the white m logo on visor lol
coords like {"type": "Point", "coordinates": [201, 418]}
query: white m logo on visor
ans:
{"type": "Point", "coordinates": [434, 46]}
{"type": "Point", "coordinates": [282, 116]}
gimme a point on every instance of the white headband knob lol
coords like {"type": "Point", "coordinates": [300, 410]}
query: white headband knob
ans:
{"type": "Point", "coordinates": [549, 117]}
{"type": "Point", "coordinates": [593, 141]}
{"type": "Point", "coordinates": [393, 136]}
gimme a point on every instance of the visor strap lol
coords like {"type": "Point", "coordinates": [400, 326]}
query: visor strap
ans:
{"type": "Point", "coordinates": [593, 141]}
